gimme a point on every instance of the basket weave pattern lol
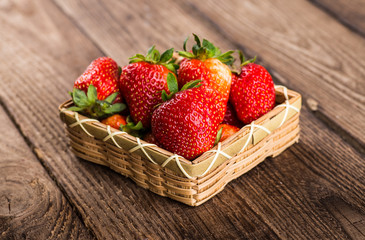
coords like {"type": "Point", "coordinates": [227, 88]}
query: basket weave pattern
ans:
{"type": "Point", "coordinates": [88, 142]}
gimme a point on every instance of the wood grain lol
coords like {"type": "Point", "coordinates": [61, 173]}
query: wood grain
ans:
{"type": "Point", "coordinates": [110, 205]}
{"type": "Point", "coordinates": [352, 220]}
{"type": "Point", "coordinates": [137, 26]}
{"type": "Point", "coordinates": [31, 205]}
{"type": "Point", "coordinates": [285, 197]}
{"type": "Point", "coordinates": [351, 13]}
{"type": "Point", "coordinates": [317, 48]}
{"type": "Point", "coordinates": [305, 49]}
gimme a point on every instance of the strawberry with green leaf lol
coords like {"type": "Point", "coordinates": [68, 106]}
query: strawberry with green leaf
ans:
{"type": "Point", "coordinates": [103, 73]}
{"type": "Point", "coordinates": [89, 105]}
{"type": "Point", "coordinates": [142, 82]}
{"type": "Point", "coordinates": [132, 128]}
{"type": "Point", "coordinates": [125, 124]}
{"type": "Point", "coordinates": [252, 92]}
{"type": "Point", "coordinates": [187, 123]}
{"type": "Point", "coordinates": [115, 121]}
{"type": "Point", "coordinates": [208, 63]}
{"type": "Point", "coordinates": [225, 131]}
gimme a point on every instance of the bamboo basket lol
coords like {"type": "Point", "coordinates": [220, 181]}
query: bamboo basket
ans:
{"type": "Point", "coordinates": [167, 174]}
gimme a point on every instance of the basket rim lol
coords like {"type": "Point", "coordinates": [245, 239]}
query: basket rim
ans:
{"type": "Point", "coordinates": [244, 131]}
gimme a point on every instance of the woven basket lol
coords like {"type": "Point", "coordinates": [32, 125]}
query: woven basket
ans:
{"type": "Point", "coordinates": [170, 175]}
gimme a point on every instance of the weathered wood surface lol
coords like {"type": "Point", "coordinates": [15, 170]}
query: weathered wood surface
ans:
{"type": "Point", "coordinates": [311, 191]}
{"type": "Point", "coordinates": [351, 13]}
{"type": "Point", "coordinates": [304, 48]}
{"type": "Point", "coordinates": [31, 205]}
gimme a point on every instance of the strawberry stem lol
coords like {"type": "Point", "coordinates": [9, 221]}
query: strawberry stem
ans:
{"type": "Point", "coordinates": [173, 87]}
{"type": "Point", "coordinates": [153, 56]}
{"type": "Point", "coordinates": [243, 59]}
{"type": "Point", "coordinates": [205, 50]}
{"type": "Point", "coordinates": [132, 128]}
{"type": "Point", "coordinates": [89, 105]}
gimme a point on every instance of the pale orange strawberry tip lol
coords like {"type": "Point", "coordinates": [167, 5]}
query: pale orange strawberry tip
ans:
{"type": "Point", "coordinates": [227, 131]}
{"type": "Point", "coordinates": [115, 121]}
{"type": "Point", "coordinates": [212, 72]}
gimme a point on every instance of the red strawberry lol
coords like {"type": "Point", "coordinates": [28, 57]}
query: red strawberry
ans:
{"type": "Point", "coordinates": [103, 73]}
{"type": "Point", "coordinates": [253, 93]}
{"type": "Point", "coordinates": [187, 124]}
{"type": "Point", "coordinates": [227, 131]}
{"type": "Point", "coordinates": [89, 105]}
{"type": "Point", "coordinates": [231, 117]}
{"type": "Point", "coordinates": [150, 138]}
{"type": "Point", "coordinates": [115, 121]}
{"type": "Point", "coordinates": [206, 62]}
{"type": "Point", "coordinates": [142, 81]}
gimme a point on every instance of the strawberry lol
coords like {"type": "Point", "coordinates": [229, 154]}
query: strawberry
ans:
{"type": "Point", "coordinates": [115, 121]}
{"type": "Point", "coordinates": [252, 93]}
{"type": "Point", "coordinates": [142, 81]}
{"type": "Point", "coordinates": [150, 138]}
{"type": "Point", "coordinates": [226, 130]}
{"type": "Point", "coordinates": [230, 117]}
{"type": "Point", "coordinates": [206, 62]}
{"type": "Point", "coordinates": [103, 73]}
{"type": "Point", "coordinates": [89, 105]}
{"type": "Point", "coordinates": [125, 124]}
{"type": "Point", "coordinates": [187, 124]}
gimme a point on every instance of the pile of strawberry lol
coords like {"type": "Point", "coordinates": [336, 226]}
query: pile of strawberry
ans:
{"type": "Point", "coordinates": [184, 105]}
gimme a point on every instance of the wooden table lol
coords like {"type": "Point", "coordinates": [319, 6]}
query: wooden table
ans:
{"type": "Point", "coordinates": [314, 190]}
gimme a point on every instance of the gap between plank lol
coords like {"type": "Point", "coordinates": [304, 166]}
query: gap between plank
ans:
{"type": "Point", "coordinates": [335, 16]}
{"type": "Point", "coordinates": [338, 130]}
{"type": "Point", "coordinates": [40, 157]}
{"type": "Point", "coordinates": [191, 8]}
{"type": "Point", "coordinates": [82, 31]}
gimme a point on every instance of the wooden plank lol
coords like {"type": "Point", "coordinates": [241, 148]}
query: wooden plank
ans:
{"type": "Point", "coordinates": [352, 220]}
{"type": "Point", "coordinates": [110, 205]}
{"type": "Point", "coordinates": [306, 50]}
{"type": "Point", "coordinates": [304, 181]}
{"type": "Point", "coordinates": [282, 198]}
{"type": "Point", "coordinates": [351, 13]}
{"type": "Point", "coordinates": [312, 48]}
{"type": "Point", "coordinates": [132, 28]}
{"type": "Point", "coordinates": [31, 205]}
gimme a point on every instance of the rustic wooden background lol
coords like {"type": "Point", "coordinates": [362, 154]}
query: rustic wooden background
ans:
{"type": "Point", "coordinates": [314, 190]}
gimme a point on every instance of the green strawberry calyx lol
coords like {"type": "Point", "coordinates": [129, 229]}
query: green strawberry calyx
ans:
{"type": "Point", "coordinates": [154, 57]}
{"type": "Point", "coordinates": [131, 128]}
{"type": "Point", "coordinates": [173, 87]}
{"type": "Point", "coordinates": [89, 105]}
{"type": "Point", "coordinates": [205, 50]}
{"type": "Point", "coordinates": [244, 61]}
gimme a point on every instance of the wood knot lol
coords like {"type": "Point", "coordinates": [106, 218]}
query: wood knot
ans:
{"type": "Point", "coordinates": [312, 104]}
{"type": "Point", "coordinates": [18, 195]}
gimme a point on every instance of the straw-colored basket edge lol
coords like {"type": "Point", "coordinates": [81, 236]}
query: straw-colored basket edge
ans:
{"type": "Point", "coordinates": [249, 135]}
